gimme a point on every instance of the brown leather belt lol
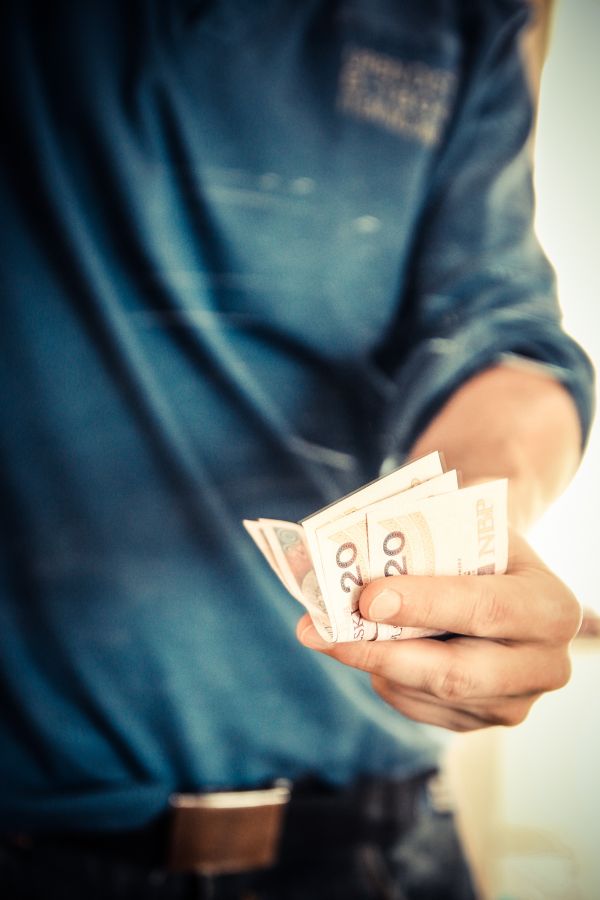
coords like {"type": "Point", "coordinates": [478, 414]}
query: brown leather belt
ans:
{"type": "Point", "coordinates": [229, 832]}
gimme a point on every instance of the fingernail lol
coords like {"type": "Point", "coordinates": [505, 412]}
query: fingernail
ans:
{"type": "Point", "coordinates": [385, 604]}
{"type": "Point", "coordinates": [310, 637]}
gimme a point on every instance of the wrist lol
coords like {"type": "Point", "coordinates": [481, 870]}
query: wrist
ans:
{"type": "Point", "coordinates": [508, 424]}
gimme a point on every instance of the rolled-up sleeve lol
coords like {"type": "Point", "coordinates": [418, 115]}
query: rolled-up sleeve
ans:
{"type": "Point", "coordinates": [480, 286]}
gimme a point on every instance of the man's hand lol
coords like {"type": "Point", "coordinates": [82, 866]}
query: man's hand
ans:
{"type": "Point", "coordinates": [511, 632]}
{"type": "Point", "coordinates": [511, 645]}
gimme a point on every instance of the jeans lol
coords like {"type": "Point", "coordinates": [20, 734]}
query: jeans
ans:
{"type": "Point", "coordinates": [425, 863]}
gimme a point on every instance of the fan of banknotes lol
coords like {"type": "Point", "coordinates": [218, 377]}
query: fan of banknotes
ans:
{"type": "Point", "coordinates": [415, 521]}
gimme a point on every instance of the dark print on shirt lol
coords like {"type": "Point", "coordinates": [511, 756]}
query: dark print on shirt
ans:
{"type": "Point", "coordinates": [408, 98]}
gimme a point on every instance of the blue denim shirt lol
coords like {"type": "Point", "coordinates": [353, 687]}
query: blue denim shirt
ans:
{"type": "Point", "coordinates": [248, 250]}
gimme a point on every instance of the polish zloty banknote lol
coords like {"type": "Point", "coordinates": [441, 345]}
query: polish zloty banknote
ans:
{"type": "Point", "coordinates": [326, 560]}
{"type": "Point", "coordinates": [292, 550]}
{"type": "Point", "coordinates": [343, 551]}
{"type": "Point", "coordinates": [462, 533]}
{"type": "Point", "coordinates": [407, 476]}
{"type": "Point", "coordinates": [284, 547]}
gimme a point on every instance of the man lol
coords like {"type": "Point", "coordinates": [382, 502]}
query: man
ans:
{"type": "Point", "coordinates": [251, 254]}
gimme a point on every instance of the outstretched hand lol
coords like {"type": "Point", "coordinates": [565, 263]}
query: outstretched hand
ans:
{"type": "Point", "coordinates": [510, 643]}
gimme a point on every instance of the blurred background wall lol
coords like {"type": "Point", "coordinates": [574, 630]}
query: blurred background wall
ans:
{"type": "Point", "coordinates": [529, 798]}
{"type": "Point", "coordinates": [567, 156]}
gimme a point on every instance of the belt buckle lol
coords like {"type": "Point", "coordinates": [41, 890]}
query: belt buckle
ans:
{"type": "Point", "coordinates": [226, 831]}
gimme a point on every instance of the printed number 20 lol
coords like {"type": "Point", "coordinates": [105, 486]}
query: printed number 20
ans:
{"type": "Point", "coordinates": [345, 557]}
{"type": "Point", "coordinates": [393, 546]}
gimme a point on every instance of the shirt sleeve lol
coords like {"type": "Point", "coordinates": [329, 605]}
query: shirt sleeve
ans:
{"type": "Point", "coordinates": [480, 286]}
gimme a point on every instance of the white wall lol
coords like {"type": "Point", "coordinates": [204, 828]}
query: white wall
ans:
{"type": "Point", "coordinates": [568, 222]}
{"type": "Point", "coordinates": [529, 798]}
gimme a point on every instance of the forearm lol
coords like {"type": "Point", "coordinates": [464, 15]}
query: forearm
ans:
{"type": "Point", "coordinates": [514, 423]}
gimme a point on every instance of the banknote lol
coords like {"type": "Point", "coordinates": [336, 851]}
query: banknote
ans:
{"type": "Point", "coordinates": [292, 549]}
{"type": "Point", "coordinates": [401, 479]}
{"type": "Point", "coordinates": [343, 552]}
{"type": "Point", "coordinates": [461, 533]}
{"type": "Point", "coordinates": [284, 546]}
{"type": "Point", "coordinates": [416, 520]}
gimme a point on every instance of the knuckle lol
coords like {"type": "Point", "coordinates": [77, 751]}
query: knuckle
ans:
{"type": "Point", "coordinates": [490, 611]}
{"type": "Point", "coordinates": [566, 618]}
{"type": "Point", "coordinates": [377, 658]}
{"type": "Point", "coordinates": [426, 600]}
{"type": "Point", "coordinates": [452, 683]}
{"type": "Point", "coordinates": [369, 657]}
{"type": "Point", "coordinates": [361, 655]}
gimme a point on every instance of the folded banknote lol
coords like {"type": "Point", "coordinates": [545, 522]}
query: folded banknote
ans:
{"type": "Point", "coordinates": [415, 521]}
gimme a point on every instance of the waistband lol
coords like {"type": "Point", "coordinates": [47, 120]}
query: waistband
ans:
{"type": "Point", "coordinates": [227, 832]}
